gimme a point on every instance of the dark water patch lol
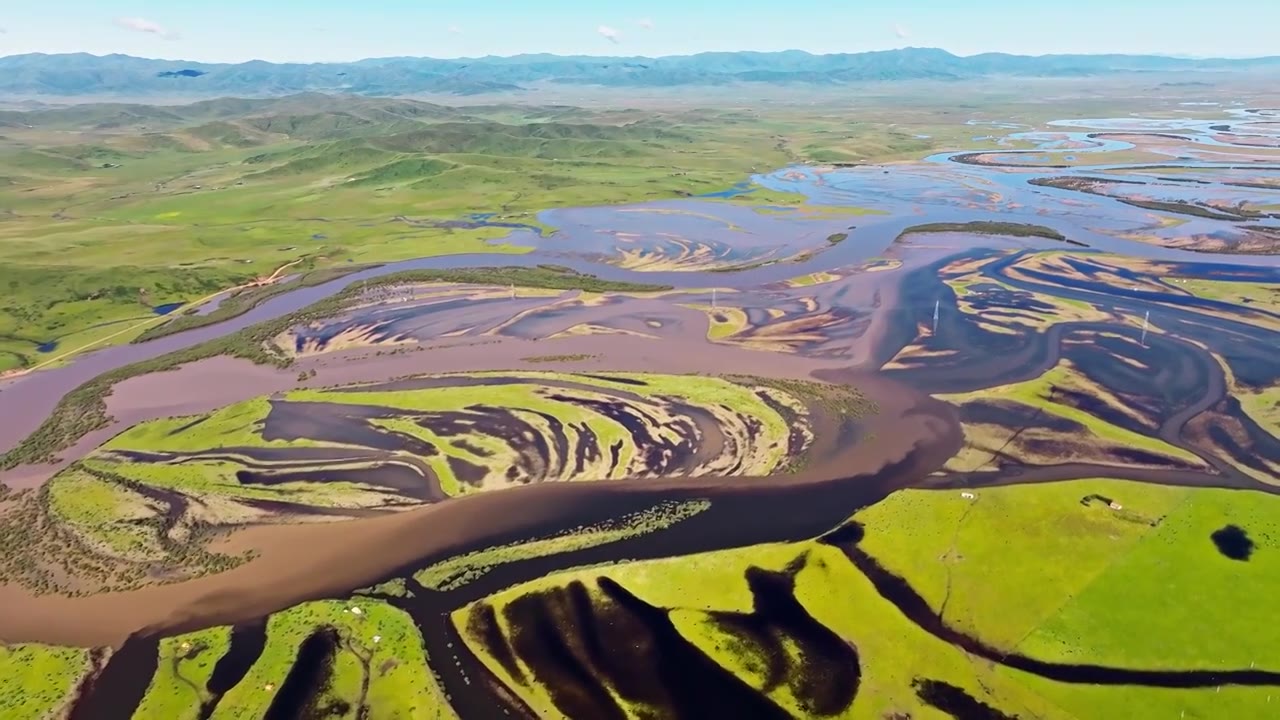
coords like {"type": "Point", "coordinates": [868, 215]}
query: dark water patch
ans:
{"type": "Point", "coordinates": [187, 426]}
{"type": "Point", "coordinates": [1136, 456]}
{"type": "Point", "coordinates": [659, 455]}
{"type": "Point", "coordinates": [558, 444]}
{"type": "Point", "coordinates": [247, 643]}
{"type": "Point", "coordinates": [697, 686]}
{"type": "Point", "coordinates": [299, 695]}
{"type": "Point", "coordinates": [1262, 442]}
{"type": "Point", "coordinates": [1233, 542]}
{"type": "Point", "coordinates": [538, 634]}
{"type": "Point", "coordinates": [829, 673]}
{"type": "Point", "coordinates": [1099, 408]}
{"type": "Point", "coordinates": [738, 190]}
{"type": "Point", "coordinates": [582, 611]}
{"type": "Point", "coordinates": [342, 424]}
{"type": "Point", "coordinates": [586, 446]}
{"type": "Point", "coordinates": [472, 448]}
{"type": "Point", "coordinates": [467, 472]}
{"type": "Point", "coordinates": [167, 308]}
{"type": "Point", "coordinates": [532, 449]}
{"type": "Point", "coordinates": [405, 480]}
{"type": "Point", "coordinates": [955, 701]}
{"type": "Point", "coordinates": [850, 533]}
{"type": "Point", "coordinates": [118, 690]}
{"type": "Point", "coordinates": [1014, 415]}
{"type": "Point", "coordinates": [482, 623]}
{"type": "Point", "coordinates": [47, 347]}
{"type": "Point", "coordinates": [620, 380]}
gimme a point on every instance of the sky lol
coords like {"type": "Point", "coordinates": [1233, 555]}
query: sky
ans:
{"type": "Point", "coordinates": [333, 31]}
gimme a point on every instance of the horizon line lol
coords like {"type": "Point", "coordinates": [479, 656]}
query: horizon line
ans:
{"type": "Point", "coordinates": [637, 57]}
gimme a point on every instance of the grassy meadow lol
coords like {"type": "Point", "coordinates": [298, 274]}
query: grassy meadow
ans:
{"type": "Point", "coordinates": [108, 212]}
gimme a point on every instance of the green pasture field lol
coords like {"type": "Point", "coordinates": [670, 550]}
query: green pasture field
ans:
{"type": "Point", "coordinates": [186, 664]}
{"type": "Point", "coordinates": [892, 651]}
{"type": "Point", "coordinates": [100, 222]}
{"type": "Point", "coordinates": [39, 680]}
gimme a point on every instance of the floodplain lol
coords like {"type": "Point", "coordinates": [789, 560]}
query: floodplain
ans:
{"type": "Point", "coordinates": [986, 429]}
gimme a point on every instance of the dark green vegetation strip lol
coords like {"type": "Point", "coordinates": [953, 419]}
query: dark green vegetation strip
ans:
{"type": "Point", "coordinates": [837, 238]}
{"type": "Point", "coordinates": [84, 409]}
{"type": "Point", "coordinates": [543, 276]}
{"type": "Point", "coordinates": [988, 227]}
{"type": "Point", "coordinates": [242, 302]}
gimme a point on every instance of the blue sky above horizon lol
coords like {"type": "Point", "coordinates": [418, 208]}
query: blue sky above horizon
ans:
{"type": "Point", "coordinates": [329, 30]}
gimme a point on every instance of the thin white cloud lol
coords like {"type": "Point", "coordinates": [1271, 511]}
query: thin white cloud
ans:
{"type": "Point", "coordinates": [455, 30]}
{"type": "Point", "coordinates": [645, 23]}
{"type": "Point", "coordinates": [902, 32]}
{"type": "Point", "coordinates": [144, 25]}
{"type": "Point", "coordinates": [4, 31]}
{"type": "Point", "coordinates": [610, 34]}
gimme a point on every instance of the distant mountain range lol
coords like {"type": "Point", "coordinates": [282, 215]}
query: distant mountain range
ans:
{"type": "Point", "coordinates": [81, 74]}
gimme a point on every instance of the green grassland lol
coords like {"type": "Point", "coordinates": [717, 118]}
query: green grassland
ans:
{"type": "Point", "coordinates": [1174, 599]}
{"type": "Point", "coordinates": [1042, 539]}
{"type": "Point", "coordinates": [102, 219]}
{"type": "Point", "coordinates": [399, 681]}
{"type": "Point", "coordinates": [1035, 570]}
{"type": "Point", "coordinates": [379, 658]}
{"type": "Point", "coordinates": [460, 570]}
{"type": "Point", "coordinates": [1097, 583]}
{"type": "Point", "coordinates": [187, 213]}
{"type": "Point", "coordinates": [186, 664]}
{"type": "Point", "coordinates": [985, 227]}
{"type": "Point", "coordinates": [39, 681]}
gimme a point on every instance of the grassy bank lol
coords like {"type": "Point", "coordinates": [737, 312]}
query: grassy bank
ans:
{"type": "Point", "coordinates": [242, 302]}
{"type": "Point", "coordinates": [84, 409]}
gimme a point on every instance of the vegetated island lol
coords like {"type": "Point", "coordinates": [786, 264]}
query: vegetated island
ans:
{"type": "Point", "coordinates": [84, 409]}
{"type": "Point", "coordinates": [989, 227]}
{"type": "Point", "coordinates": [1097, 186]}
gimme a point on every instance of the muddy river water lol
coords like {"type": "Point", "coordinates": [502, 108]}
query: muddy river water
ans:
{"type": "Point", "coordinates": [944, 188]}
{"type": "Point", "coordinates": [947, 188]}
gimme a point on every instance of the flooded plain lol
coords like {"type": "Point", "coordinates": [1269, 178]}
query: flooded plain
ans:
{"type": "Point", "coordinates": [840, 289]}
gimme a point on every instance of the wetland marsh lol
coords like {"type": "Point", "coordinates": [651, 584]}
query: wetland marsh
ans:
{"type": "Point", "coordinates": [1008, 448]}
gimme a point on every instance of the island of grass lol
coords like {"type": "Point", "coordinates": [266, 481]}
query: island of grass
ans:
{"type": "Point", "coordinates": [990, 227]}
{"type": "Point", "coordinates": [1101, 571]}
{"type": "Point", "coordinates": [770, 630]}
{"type": "Point", "coordinates": [357, 658]}
{"type": "Point", "coordinates": [83, 410]}
{"type": "Point", "coordinates": [142, 508]}
{"type": "Point", "coordinates": [39, 681]}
